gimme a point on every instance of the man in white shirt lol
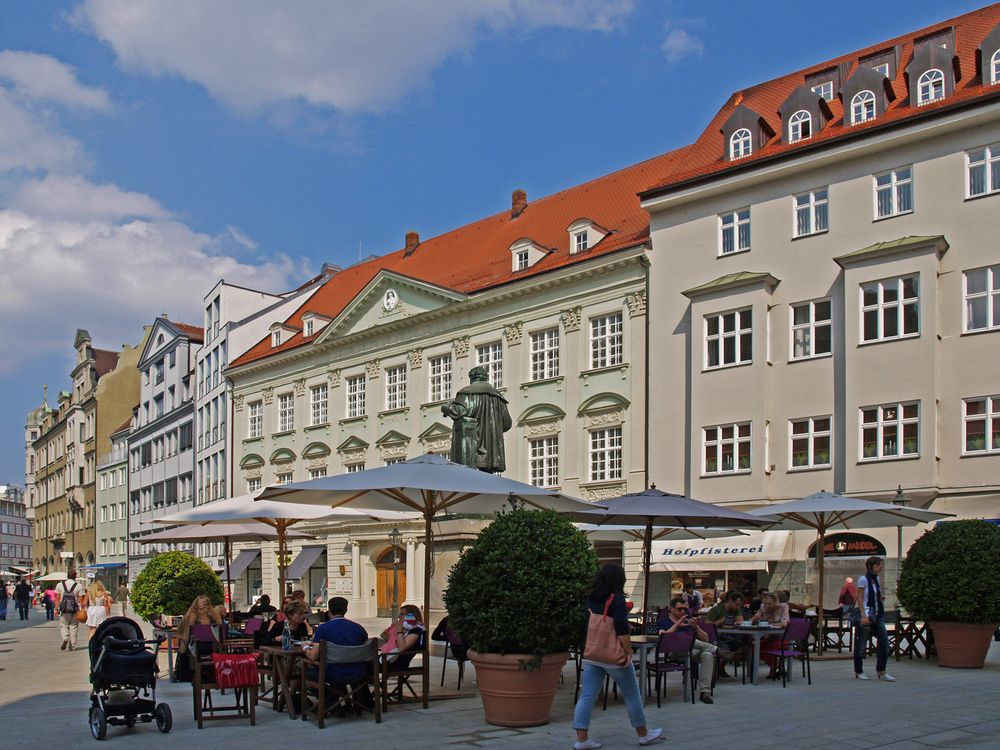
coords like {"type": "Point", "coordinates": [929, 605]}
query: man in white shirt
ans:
{"type": "Point", "coordinates": [70, 601]}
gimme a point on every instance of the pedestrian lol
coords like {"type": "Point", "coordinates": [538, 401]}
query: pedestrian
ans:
{"type": "Point", "coordinates": [3, 600]}
{"type": "Point", "coordinates": [22, 598]}
{"type": "Point", "coordinates": [98, 603]}
{"type": "Point", "coordinates": [121, 596]}
{"type": "Point", "coordinates": [848, 595]}
{"type": "Point", "coordinates": [871, 604]}
{"type": "Point", "coordinates": [69, 594]}
{"type": "Point", "coordinates": [49, 599]}
{"type": "Point", "coordinates": [607, 599]}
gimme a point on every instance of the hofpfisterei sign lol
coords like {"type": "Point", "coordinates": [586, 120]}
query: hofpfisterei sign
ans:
{"type": "Point", "coordinates": [849, 545]}
{"type": "Point", "coordinates": [720, 551]}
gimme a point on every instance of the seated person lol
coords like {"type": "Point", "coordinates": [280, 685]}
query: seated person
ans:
{"type": "Point", "coordinates": [775, 612]}
{"type": "Point", "coordinates": [295, 616]}
{"type": "Point", "coordinates": [678, 619]}
{"type": "Point", "coordinates": [410, 635]}
{"type": "Point", "coordinates": [757, 600]}
{"type": "Point", "coordinates": [341, 632]}
{"type": "Point", "coordinates": [727, 613]}
{"type": "Point", "coordinates": [201, 612]}
{"type": "Point", "coordinates": [263, 608]}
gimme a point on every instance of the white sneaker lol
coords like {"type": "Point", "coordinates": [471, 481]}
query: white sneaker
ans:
{"type": "Point", "coordinates": [651, 736]}
{"type": "Point", "coordinates": [887, 677]}
{"type": "Point", "coordinates": [861, 676]}
{"type": "Point", "coordinates": [587, 745]}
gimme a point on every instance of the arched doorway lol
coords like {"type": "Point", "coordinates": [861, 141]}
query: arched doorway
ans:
{"type": "Point", "coordinates": [385, 579]}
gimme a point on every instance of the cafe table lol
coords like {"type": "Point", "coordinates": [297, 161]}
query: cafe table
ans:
{"type": "Point", "coordinates": [758, 634]}
{"type": "Point", "coordinates": [170, 637]}
{"type": "Point", "coordinates": [284, 673]}
{"type": "Point", "coordinates": [643, 644]}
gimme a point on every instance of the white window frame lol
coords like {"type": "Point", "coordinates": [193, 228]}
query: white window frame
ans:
{"type": "Point", "coordinates": [581, 241]}
{"type": "Point", "coordinates": [319, 473]}
{"type": "Point", "coordinates": [881, 306]}
{"type": "Point", "coordinates": [544, 354]}
{"type": "Point", "coordinates": [607, 348]}
{"type": "Point", "coordinates": [990, 419]}
{"type": "Point", "coordinates": [284, 478]}
{"type": "Point", "coordinates": [713, 439]}
{"type": "Point", "coordinates": [605, 454]}
{"type": "Point", "coordinates": [796, 123]}
{"type": "Point", "coordinates": [439, 380]}
{"type": "Point", "coordinates": [740, 144]}
{"type": "Point", "coordinates": [522, 260]}
{"type": "Point", "coordinates": [824, 89]}
{"type": "Point", "coordinates": [863, 107]}
{"type": "Point", "coordinates": [253, 485]}
{"type": "Point", "coordinates": [395, 387]}
{"type": "Point", "coordinates": [275, 338]}
{"type": "Point", "coordinates": [733, 223]}
{"type": "Point", "coordinates": [354, 467]}
{"type": "Point", "coordinates": [881, 423]}
{"type": "Point", "coordinates": [985, 160]}
{"type": "Point", "coordinates": [490, 356]}
{"type": "Point", "coordinates": [718, 339]}
{"type": "Point", "coordinates": [255, 419]}
{"type": "Point", "coordinates": [286, 412]}
{"type": "Point", "coordinates": [995, 68]}
{"type": "Point", "coordinates": [543, 461]}
{"type": "Point", "coordinates": [814, 205]}
{"type": "Point", "coordinates": [895, 183]}
{"type": "Point", "coordinates": [882, 68]}
{"type": "Point", "coordinates": [814, 431]}
{"type": "Point", "coordinates": [308, 329]}
{"type": "Point", "coordinates": [991, 294]}
{"type": "Point", "coordinates": [319, 404]}
{"type": "Point", "coordinates": [354, 391]}
{"type": "Point", "coordinates": [930, 87]}
{"type": "Point", "coordinates": [809, 328]}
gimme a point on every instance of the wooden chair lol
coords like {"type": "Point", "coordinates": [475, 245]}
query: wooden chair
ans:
{"type": "Point", "coordinates": [401, 670]}
{"type": "Point", "coordinates": [205, 680]}
{"type": "Point", "coordinates": [837, 630]}
{"type": "Point", "coordinates": [321, 698]}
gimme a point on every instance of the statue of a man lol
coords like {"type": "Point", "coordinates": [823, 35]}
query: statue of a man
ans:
{"type": "Point", "coordinates": [481, 418]}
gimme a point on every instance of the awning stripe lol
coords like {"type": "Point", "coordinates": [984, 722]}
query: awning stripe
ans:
{"type": "Point", "coordinates": [304, 561]}
{"type": "Point", "coordinates": [241, 563]}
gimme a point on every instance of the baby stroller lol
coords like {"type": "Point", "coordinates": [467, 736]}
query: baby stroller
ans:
{"type": "Point", "coordinates": [121, 667]}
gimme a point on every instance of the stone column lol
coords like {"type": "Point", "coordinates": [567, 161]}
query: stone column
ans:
{"type": "Point", "coordinates": [411, 571]}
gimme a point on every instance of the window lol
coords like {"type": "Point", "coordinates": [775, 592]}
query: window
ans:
{"type": "Point", "coordinates": [726, 448]}
{"type": "Point", "coordinates": [995, 68]}
{"type": "Point", "coordinates": [275, 338]}
{"type": "Point", "coordinates": [984, 170]}
{"type": "Point", "coordinates": [317, 404]}
{"type": "Point", "coordinates": [397, 460]}
{"type": "Point", "coordinates": [157, 408]}
{"type": "Point", "coordinates": [890, 309]}
{"type": "Point", "coordinates": [543, 461]}
{"type": "Point", "coordinates": [317, 473]}
{"type": "Point", "coordinates": [894, 192]}
{"type": "Point", "coordinates": [158, 370]}
{"type": "Point", "coordinates": [440, 377]}
{"type": "Point", "coordinates": [735, 231]}
{"type": "Point", "coordinates": [545, 354]}
{"type": "Point", "coordinates": [284, 478]}
{"type": "Point", "coordinates": [355, 396]}
{"type": "Point", "coordinates": [580, 241]}
{"type": "Point", "coordinates": [286, 412]}
{"type": "Point", "coordinates": [799, 126]}
{"type": "Point", "coordinates": [309, 328]}
{"type": "Point", "coordinates": [255, 419]}
{"type": "Point", "coordinates": [811, 329]}
{"type": "Point", "coordinates": [824, 89]}
{"type": "Point", "coordinates": [395, 387]}
{"type": "Point", "coordinates": [606, 340]}
{"type": "Point", "coordinates": [982, 299]}
{"type": "Point", "coordinates": [521, 260]}
{"type": "Point", "coordinates": [862, 107]}
{"type": "Point", "coordinates": [740, 144]}
{"type": "Point", "coordinates": [890, 431]}
{"type": "Point", "coordinates": [352, 468]}
{"type": "Point", "coordinates": [982, 424]}
{"type": "Point", "coordinates": [103, 484]}
{"type": "Point", "coordinates": [728, 338]}
{"type": "Point", "coordinates": [930, 87]}
{"type": "Point", "coordinates": [882, 68]}
{"type": "Point", "coordinates": [812, 212]}
{"type": "Point", "coordinates": [606, 454]}
{"type": "Point", "coordinates": [490, 356]}
{"type": "Point", "coordinates": [253, 485]}
{"type": "Point", "coordinates": [809, 442]}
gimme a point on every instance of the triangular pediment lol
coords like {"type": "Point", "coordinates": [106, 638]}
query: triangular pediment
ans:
{"type": "Point", "coordinates": [352, 443]}
{"type": "Point", "coordinates": [435, 432]}
{"type": "Point", "coordinates": [389, 298]}
{"type": "Point", "coordinates": [159, 340]}
{"type": "Point", "coordinates": [392, 437]}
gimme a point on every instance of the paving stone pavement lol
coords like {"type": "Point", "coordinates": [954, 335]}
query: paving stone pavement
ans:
{"type": "Point", "coordinates": [44, 702]}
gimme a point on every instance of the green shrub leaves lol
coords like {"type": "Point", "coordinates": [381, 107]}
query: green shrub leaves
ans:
{"type": "Point", "coordinates": [170, 582]}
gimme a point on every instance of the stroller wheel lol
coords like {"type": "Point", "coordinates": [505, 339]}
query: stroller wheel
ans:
{"type": "Point", "coordinates": [130, 721]}
{"type": "Point", "coordinates": [164, 719]}
{"type": "Point", "coordinates": [98, 723]}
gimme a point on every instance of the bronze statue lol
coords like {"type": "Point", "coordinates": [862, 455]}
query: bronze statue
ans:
{"type": "Point", "coordinates": [480, 419]}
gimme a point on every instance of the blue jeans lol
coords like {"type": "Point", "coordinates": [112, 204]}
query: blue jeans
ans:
{"type": "Point", "coordinates": [875, 625]}
{"type": "Point", "coordinates": [628, 686]}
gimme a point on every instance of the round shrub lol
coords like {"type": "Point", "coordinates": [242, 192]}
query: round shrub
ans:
{"type": "Point", "coordinates": [521, 587]}
{"type": "Point", "coordinates": [170, 582]}
{"type": "Point", "coordinates": [952, 574]}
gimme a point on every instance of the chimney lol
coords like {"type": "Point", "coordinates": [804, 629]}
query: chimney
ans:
{"type": "Point", "coordinates": [412, 241]}
{"type": "Point", "coordinates": [329, 269]}
{"type": "Point", "coordinates": [518, 202]}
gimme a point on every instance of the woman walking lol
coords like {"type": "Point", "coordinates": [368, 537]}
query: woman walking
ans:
{"type": "Point", "coordinates": [608, 596]}
{"type": "Point", "coordinates": [871, 604]}
{"type": "Point", "coordinates": [98, 603]}
{"type": "Point", "coordinates": [3, 600]}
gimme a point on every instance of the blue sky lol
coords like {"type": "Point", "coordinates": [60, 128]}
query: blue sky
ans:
{"type": "Point", "coordinates": [148, 148]}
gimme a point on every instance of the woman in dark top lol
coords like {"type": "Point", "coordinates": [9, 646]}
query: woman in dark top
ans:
{"type": "Point", "coordinates": [295, 615]}
{"type": "Point", "coordinates": [610, 584]}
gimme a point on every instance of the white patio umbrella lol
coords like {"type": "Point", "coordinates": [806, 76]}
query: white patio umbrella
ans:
{"type": "Point", "coordinates": [246, 531]}
{"type": "Point", "coordinates": [830, 511]}
{"type": "Point", "coordinates": [57, 576]}
{"type": "Point", "coordinates": [429, 485]}
{"type": "Point", "coordinates": [279, 516]}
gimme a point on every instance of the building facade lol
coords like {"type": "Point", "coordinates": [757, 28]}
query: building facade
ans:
{"type": "Point", "coordinates": [112, 508]}
{"type": "Point", "coordinates": [15, 531]}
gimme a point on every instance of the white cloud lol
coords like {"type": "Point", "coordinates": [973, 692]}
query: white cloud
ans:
{"type": "Point", "coordinates": [680, 44]}
{"type": "Point", "coordinates": [41, 77]}
{"type": "Point", "coordinates": [72, 198]}
{"type": "Point", "coordinates": [29, 141]}
{"type": "Point", "coordinates": [241, 238]}
{"type": "Point", "coordinates": [252, 54]}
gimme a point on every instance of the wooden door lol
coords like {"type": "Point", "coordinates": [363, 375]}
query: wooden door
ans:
{"type": "Point", "coordinates": [383, 583]}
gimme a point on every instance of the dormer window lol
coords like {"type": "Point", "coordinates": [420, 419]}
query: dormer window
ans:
{"type": "Point", "coordinates": [862, 107]}
{"type": "Point", "coordinates": [525, 253]}
{"type": "Point", "coordinates": [275, 338]}
{"type": "Point", "coordinates": [882, 69]}
{"type": "Point", "coordinates": [309, 328]}
{"type": "Point", "coordinates": [580, 241]}
{"type": "Point", "coordinates": [995, 68]}
{"type": "Point", "coordinates": [824, 89]}
{"type": "Point", "coordinates": [740, 144]}
{"type": "Point", "coordinates": [521, 260]}
{"type": "Point", "coordinates": [799, 126]}
{"type": "Point", "coordinates": [930, 87]}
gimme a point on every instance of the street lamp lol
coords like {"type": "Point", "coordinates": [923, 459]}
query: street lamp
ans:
{"type": "Point", "coordinates": [394, 536]}
{"type": "Point", "coordinates": [902, 501]}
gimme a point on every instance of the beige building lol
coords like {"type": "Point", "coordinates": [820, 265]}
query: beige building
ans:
{"type": "Point", "coordinates": [825, 294]}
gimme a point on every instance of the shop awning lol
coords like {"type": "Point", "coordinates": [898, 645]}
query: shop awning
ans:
{"type": "Point", "coordinates": [103, 566]}
{"type": "Point", "coordinates": [750, 552]}
{"type": "Point", "coordinates": [241, 562]}
{"type": "Point", "coordinates": [304, 561]}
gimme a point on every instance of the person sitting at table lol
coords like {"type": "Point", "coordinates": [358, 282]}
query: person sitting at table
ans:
{"type": "Point", "coordinates": [775, 612]}
{"type": "Point", "coordinates": [201, 612]}
{"type": "Point", "coordinates": [263, 608]}
{"type": "Point", "coordinates": [409, 637]}
{"type": "Point", "coordinates": [678, 619]}
{"type": "Point", "coordinates": [295, 615]}
{"type": "Point", "coordinates": [756, 601]}
{"type": "Point", "coordinates": [339, 631]}
{"type": "Point", "coordinates": [727, 613]}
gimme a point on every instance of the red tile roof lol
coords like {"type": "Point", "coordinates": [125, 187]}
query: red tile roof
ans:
{"type": "Point", "coordinates": [706, 155]}
{"type": "Point", "coordinates": [194, 333]}
{"type": "Point", "coordinates": [105, 361]}
{"type": "Point", "coordinates": [124, 425]}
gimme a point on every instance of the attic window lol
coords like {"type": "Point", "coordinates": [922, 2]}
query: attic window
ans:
{"type": "Point", "coordinates": [930, 87]}
{"type": "Point", "coordinates": [799, 126]}
{"type": "Point", "coordinates": [862, 107]}
{"type": "Point", "coordinates": [882, 68]}
{"type": "Point", "coordinates": [740, 144]}
{"type": "Point", "coordinates": [275, 338]}
{"type": "Point", "coordinates": [995, 68]}
{"type": "Point", "coordinates": [580, 241]}
{"type": "Point", "coordinates": [521, 260]}
{"type": "Point", "coordinates": [308, 328]}
{"type": "Point", "coordinates": [824, 89]}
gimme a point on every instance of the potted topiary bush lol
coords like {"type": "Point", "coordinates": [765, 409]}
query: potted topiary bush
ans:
{"type": "Point", "coordinates": [170, 582]}
{"type": "Point", "coordinates": [517, 598]}
{"type": "Point", "coordinates": [950, 579]}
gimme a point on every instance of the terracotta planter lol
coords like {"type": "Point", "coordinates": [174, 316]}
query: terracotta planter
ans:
{"type": "Point", "coordinates": [962, 645]}
{"type": "Point", "coordinates": [512, 696]}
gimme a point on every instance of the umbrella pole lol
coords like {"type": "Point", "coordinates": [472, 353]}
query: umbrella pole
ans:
{"type": "Point", "coordinates": [647, 554]}
{"type": "Point", "coordinates": [428, 514]}
{"type": "Point", "coordinates": [229, 578]}
{"type": "Point", "coordinates": [819, 610]}
{"type": "Point", "coordinates": [281, 562]}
